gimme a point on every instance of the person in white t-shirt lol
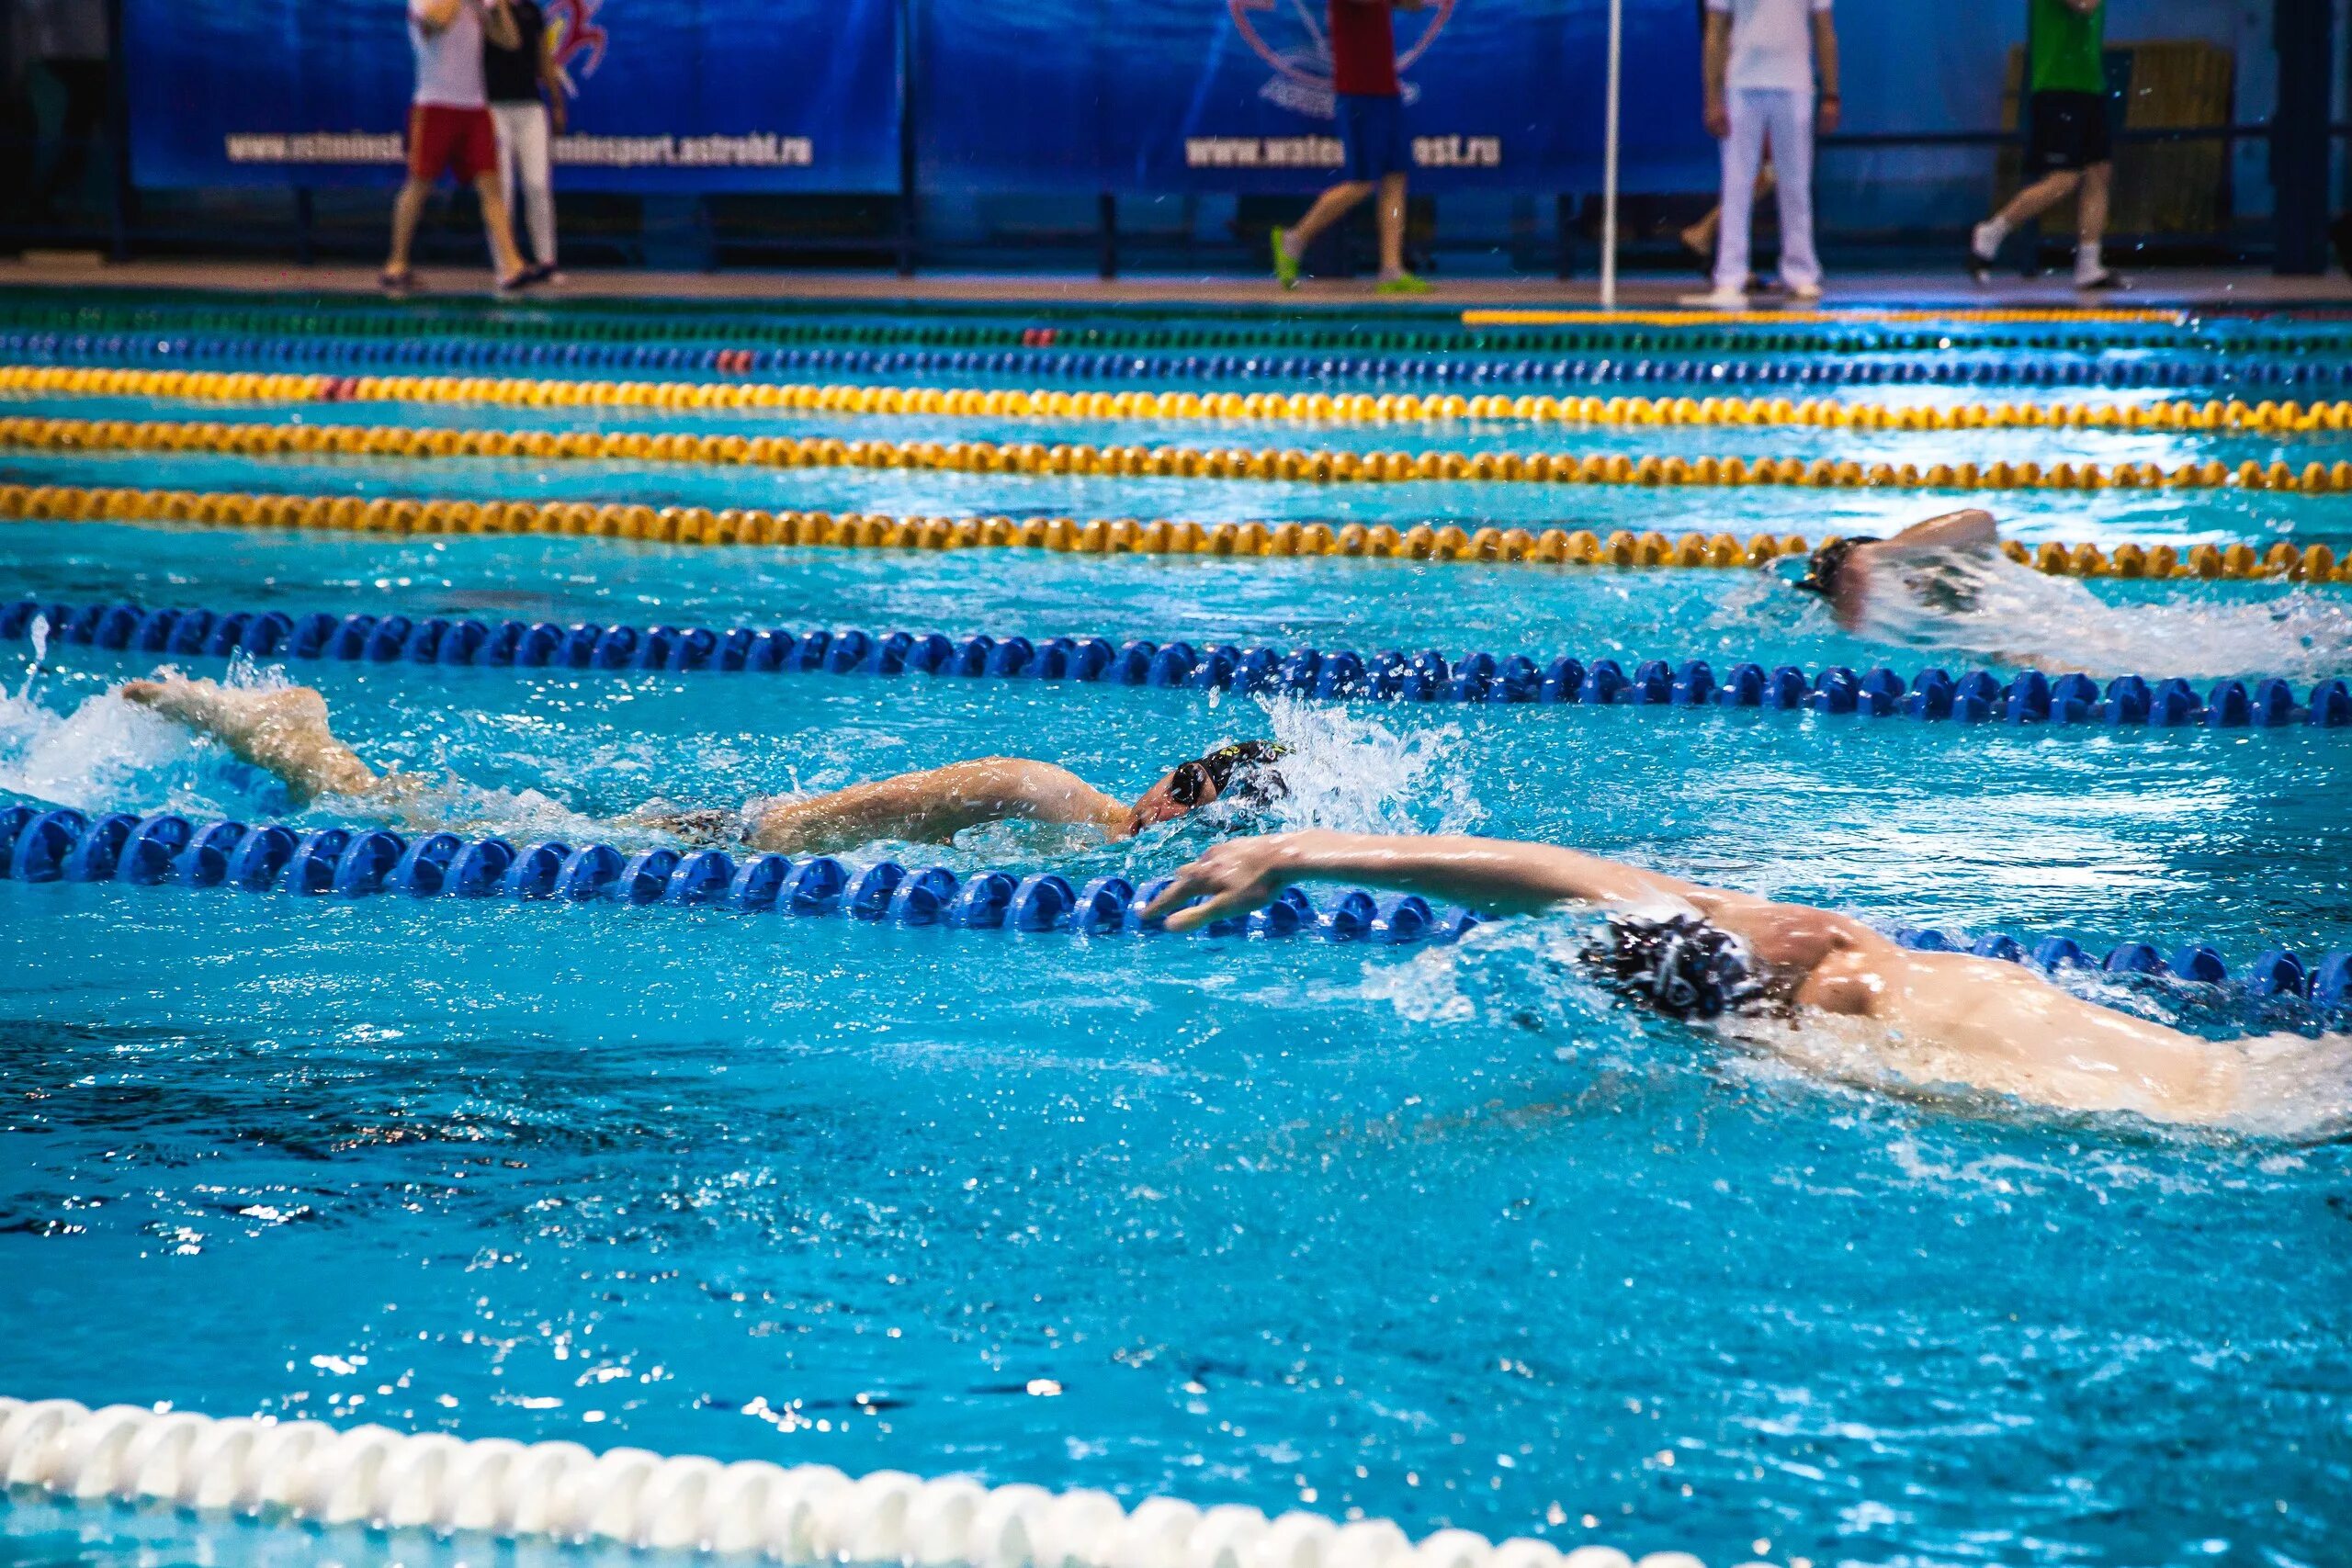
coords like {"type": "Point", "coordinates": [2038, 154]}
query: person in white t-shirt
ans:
{"type": "Point", "coordinates": [1760, 62]}
{"type": "Point", "coordinates": [449, 130]}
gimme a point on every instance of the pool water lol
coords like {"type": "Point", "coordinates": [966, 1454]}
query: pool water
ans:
{"type": "Point", "coordinates": [1441, 1235]}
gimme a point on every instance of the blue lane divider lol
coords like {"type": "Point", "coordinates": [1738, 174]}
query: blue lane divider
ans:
{"type": "Point", "coordinates": [65, 845]}
{"type": "Point", "coordinates": [1629, 365]}
{"type": "Point", "coordinates": [2326, 982]}
{"type": "Point", "coordinates": [1388, 675]}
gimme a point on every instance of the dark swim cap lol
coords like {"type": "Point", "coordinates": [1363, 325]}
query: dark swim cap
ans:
{"type": "Point", "coordinates": [1243, 771]}
{"type": "Point", "coordinates": [1821, 572]}
{"type": "Point", "coordinates": [1683, 966]}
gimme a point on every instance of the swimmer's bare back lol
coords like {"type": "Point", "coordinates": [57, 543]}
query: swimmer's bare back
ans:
{"type": "Point", "coordinates": [1938, 1019]}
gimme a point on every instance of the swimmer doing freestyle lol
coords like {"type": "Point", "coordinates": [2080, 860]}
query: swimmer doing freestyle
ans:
{"type": "Point", "coordinates": [285, 732]}
{"type": "Point", "coordinates": [1946, 584]}
{"type": "Point", "coordinates": [1778, 976]}
{"type": "Point", "coordinates": [1870, 583]}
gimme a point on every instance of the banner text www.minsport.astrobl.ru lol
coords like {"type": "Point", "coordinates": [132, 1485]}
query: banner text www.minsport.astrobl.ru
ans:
{"type": "Point", "coordinates": [757, 150]}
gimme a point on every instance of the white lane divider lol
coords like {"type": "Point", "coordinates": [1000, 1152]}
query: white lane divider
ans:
{"type": "Point", "coordinates": [806, 1514]}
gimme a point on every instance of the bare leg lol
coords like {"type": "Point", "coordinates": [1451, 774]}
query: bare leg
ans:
{"type": "Point", "coordinates": [495, 224]}
{"type": "Point", "coordinates": [406, 209]}
{"type": "Point", "coordinates": [1329, 208]}
{"type": "Point", "coordinates": [2040, 197]}
{"type": "Point", "coordinates": [1700, 238]}
{"type": "Point", "coordinates": [2090, 225]}
{"type": "Point", "coordinates": [283, 732]}
{"type": "Point", "coordinates": [1392, 225]}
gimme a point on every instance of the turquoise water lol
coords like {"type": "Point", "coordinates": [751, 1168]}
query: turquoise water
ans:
{"type": "Point", "coordinates": [1442, 1236]}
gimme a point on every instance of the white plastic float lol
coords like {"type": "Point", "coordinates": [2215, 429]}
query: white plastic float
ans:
{"type": "Point", "coordinates": [809, 1513]}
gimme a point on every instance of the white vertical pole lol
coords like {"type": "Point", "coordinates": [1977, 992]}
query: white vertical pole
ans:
{"type": "Point", "coordinates": [1609, 160]}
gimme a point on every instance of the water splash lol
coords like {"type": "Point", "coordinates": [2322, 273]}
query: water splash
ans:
{"type": "Point", "coordinates": [1347, 771]}
{"type": "Point", "coordinates": [1985, 603]}
{"type": "Point", "coordinates": [38, 634]}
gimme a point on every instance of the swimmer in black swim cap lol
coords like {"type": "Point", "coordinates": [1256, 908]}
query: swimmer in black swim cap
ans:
{"type": "Point", "coordinates": [1845, 572]}
{"type": "Point", "coordinates": [285, 732]}
{"type": "Point", "coordinates": [1826, 565]}
{"type": "Point", "coordinates": [1679, 965]}
{"type": "Point", "coordinates": [1820, 987]}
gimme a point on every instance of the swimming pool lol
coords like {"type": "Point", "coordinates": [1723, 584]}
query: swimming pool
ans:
{"type": "Point", "coordinates": [1437, 1235]}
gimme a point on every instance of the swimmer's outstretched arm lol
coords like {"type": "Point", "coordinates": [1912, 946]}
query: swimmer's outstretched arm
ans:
{"type": "Point", "coordinates": [1968, 529]}
{"type": "Point", "coordinates": [1502, 876]}
{"type": "Point", "coordinates": [934, 806]}
{"type": "Point", "coordinates": [282, 731]}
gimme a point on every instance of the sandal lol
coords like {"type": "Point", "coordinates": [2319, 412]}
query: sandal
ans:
{"type": "Point", "coordinates": [403, 281]}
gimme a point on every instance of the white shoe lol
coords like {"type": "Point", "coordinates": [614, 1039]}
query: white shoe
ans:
{"type": "Point", "coordinates": [1716, 300]}
{"type": "Point", "coordinates": [1984, 245]}
{"type": "Point", "coordinates": [1805, 293]}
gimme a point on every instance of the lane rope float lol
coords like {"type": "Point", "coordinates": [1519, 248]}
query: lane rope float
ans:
{"type": "Point", "coordinates": [1864, 315]}
{"type": "Point", "coordinates": [761, 528]}
{"type": "Point", "coordinates": [1932, 360]}
{"type": "Point", "coordinates": [259, 439]}
{"type": "Point", "coordinates": [2324, 982]}
{"type": "Point", "coordinates": [805, 1515]}
{"type": "Point", "coordinates": [65, 845]}
{"type": "Point", "coordinates": [1039, 324]}
{"type": "Point", "coordinates": [1329, 675]}
{"type": "Point", "coordinates": [62, 844]}
{"type": "Point", "coordinates": [1316, 408]}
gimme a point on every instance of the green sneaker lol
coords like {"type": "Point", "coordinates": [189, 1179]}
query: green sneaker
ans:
{"type": "Point", "coordinates": [1285, 265]}
{"type": "Point", "coordinates": [1403, 282]}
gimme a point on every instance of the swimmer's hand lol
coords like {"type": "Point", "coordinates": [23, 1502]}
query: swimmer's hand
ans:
{"type": "Point", "coordinates": [1232, 878]}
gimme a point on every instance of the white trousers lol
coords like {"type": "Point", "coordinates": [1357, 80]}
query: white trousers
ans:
{"type": "Point", "coordinates": [524, 158]}
{"type": "Point", "coordinates": [1783, 119]}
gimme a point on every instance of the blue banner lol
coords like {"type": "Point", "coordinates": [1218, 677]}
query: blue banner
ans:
{"type": "Point", "coordinates": [665, 95]}
{"type": "Point", "coordinates": [1172, 95]}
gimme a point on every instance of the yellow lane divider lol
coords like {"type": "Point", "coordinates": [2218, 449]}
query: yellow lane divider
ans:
{"type": "Point", "coordinates": [2236, 416]}
{"type": "Point", "coordinates": [257, 440]}
{"type": "Point", "coordinates": [700, 526]}
{"type": "Point", "coordinates": [2045, 316]}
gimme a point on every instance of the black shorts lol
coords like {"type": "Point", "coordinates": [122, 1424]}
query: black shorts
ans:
{"type": "Point", "coordinates": [2066, 131]}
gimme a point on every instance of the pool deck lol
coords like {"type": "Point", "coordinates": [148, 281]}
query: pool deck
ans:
{"type": "Point", "coordinates": [2186, 289]}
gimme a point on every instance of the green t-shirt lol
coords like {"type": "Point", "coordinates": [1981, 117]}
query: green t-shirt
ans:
{"type": "Point", "coordinates": [2063, 47]}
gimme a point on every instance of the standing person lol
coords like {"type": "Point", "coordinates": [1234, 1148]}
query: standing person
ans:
{"type": "Point", "coordinates": [1371, 110]}
{"type": "Point", "coordinates": [449, 130]}
{"type": "Point", "coordinates": [515, 79]}
{"type": "Point", "coordinates": [1759, 57]}
{"type": "Point", "coordinates": [2067, 144]}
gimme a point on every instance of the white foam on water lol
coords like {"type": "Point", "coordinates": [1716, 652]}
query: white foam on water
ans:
{"type": "Point", "coordinates": [38, 632]}
{"type": "Point", "coordinates": [2017, 614]}
{"type": "Point", "coordinates": [1347, 771]}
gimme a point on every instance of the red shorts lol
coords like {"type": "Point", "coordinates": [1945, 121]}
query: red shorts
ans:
{"type": "Point", "coordinates": [453, 141]}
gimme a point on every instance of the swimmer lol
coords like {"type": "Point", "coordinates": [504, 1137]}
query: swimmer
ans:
{"type": "Point", "coordinates": [1858, 576]}
{"type": "Point", "coordinates": [1781, 976]}
{"type": "Point", "coordinates": [285, 732]}
{"type": "Point", "coordinates": [1946, 584]}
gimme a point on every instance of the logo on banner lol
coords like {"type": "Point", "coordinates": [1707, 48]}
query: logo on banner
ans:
{"type": "Point", "coordinates": [577, 38]}
{"type": "Point", "coordinates": [1289, 36]}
